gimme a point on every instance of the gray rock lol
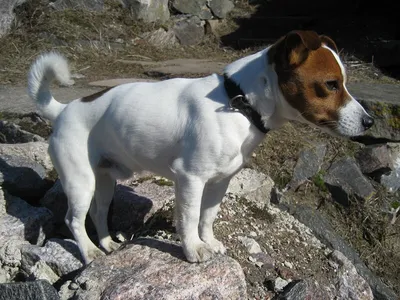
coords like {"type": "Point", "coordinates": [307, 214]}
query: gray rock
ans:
{"type": "Point", "coordinates": [56, 201]}
{"type": "Point", "coordinates": [308, 164]}
{"type": "Point", "coordinates": [161, 38]}
{"type": "Point", "coordinates": [392, 180]}
{"type": "Point", "coordinates": [373, 158]}
{"type": "Point", "coordinates": [252, 185]}
{"type": "Point", "coordinates": [34, 290]}
{"type": "Point", "coordinates": [189, 31]}
{"type": "Point", "coordinates": [24, 178]}
{"type": "Point", "coordinates": [344, 178]}
{"type": "Point", "coordinates": [24, 221]}
{"type": "Point", "coordinates": [149, 10]}
{"type": "Point", "coordinates": [251, 245]}
{"type": "Point", "coordinates": [134, 205]}
{"type": "Point", "coordinates": [90, 5]}
{"type": "Point", "coordinates": [153, 269]}
{"type": "Point", "coordinates": [350, 284]}
{"type": "Point", "coordinates": [305, 289]}
{"type": "Point", "coordinates": [220, 8]}
{"type": "Point", "coordinates": [12, 134]}
{"type": "Point", "coordinates": [55, 259]}
{"type": "Point", "coordinates": [193, 7]}
{"type": "Point", "coordinates": [7, 15]}
{"type": "Point", "coordinates": [383, 109]}
{"type": "Point", "coordinates": [279, 284]}
{"type": "Point", "coordinates": [10, 257]}
{"type": "Point", "coordinates": [35, 152]}
{"type": "Point", "coordinates": [327, 235]}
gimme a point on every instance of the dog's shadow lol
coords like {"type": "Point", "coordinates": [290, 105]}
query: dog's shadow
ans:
{"type": "Point", "coordinates": [22, 188]}
{"type": "Point", "coordinates": [172, 248]}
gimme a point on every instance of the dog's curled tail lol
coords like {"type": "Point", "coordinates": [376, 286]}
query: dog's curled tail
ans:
{"type": "Point", "coordinates": [44, 70]}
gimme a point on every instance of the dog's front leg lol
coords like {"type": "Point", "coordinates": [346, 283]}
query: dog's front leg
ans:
{"type": "Point", "coordinates": [189, 192]}
{"type": "Point", "coordinates": [212, 197]}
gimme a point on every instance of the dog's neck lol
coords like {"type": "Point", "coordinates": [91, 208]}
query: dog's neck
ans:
{"type": "Point", "coordinates": [259, 82]}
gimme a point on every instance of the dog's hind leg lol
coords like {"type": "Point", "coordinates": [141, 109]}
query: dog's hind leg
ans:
{"type": "Point", "coordinates": [78, 182]}
{"type": "Point", "coordinates": [212, 197]}
{"type": "Point", "coordinates": [99, 210]}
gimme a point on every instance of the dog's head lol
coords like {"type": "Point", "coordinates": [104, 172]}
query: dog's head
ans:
{"type": "Point", "coordinates": [312, 80]}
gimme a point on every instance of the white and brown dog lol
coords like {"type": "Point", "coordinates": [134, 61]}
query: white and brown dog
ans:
{"type": "Point", "coordinates": [196, 132]}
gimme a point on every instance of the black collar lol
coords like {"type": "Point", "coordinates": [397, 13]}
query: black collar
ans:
{"type": "Point", "coordinates": [238, 101]}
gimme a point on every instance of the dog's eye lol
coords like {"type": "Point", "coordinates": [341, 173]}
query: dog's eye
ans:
{"type": "Point", "coordinates": [332, 85]}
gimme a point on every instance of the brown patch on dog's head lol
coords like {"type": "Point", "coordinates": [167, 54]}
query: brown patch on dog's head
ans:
{"type": "Point", "coordinates": [309, 76]}
{"type": "Point", "coordinates": [95, 96]}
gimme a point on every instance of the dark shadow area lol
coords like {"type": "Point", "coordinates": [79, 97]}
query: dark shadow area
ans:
{"type": "Point", "coordinates": [173, 249]}
{"type": "Point", "coordinates": [28, 182]}
{"type": "Point", "coordinates": [370, 31]}
{"type": "Point", "coordinates": [34, 220]}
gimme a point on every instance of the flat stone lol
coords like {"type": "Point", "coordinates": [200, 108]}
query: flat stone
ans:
{"type": "Point", "coordinates": [152, 269]}
{"type": "Point", "coordinates": [373, 158]}
{"type": "Point", "coordinates": [344, 178]}
{"type": "Point", "coordinates": [308, 164]}
{"type": "Point", "coordinates": [189, 31]}
{"type": "Point", "coordinates": [193, 7]}
{"type": "Point", "coordinates": [148, 11]}
{"type": "Point", "coordinates": [220, 8]}
{"type": "Point", "coordinates": [24, 221]}
{"type": "Point", "coordinates": [33, 290]}
{"type": "Point", "coordinates": [256, 187]}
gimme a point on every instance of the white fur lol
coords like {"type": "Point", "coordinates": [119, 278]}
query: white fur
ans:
{"type": "Point", "coordinates": [182, 129]}
{"type": "Point", "coordinates": [42, 73]}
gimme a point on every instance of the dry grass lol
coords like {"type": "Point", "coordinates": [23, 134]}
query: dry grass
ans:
{"type": "Point", "coordinates": [92, 42]}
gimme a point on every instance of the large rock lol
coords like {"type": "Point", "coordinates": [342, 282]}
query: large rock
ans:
{"type": "Point", "coordinates": [149, 10]}
{"type": "Point", "coordinates": [189, 31]}
{"type": "Point", "coordinates": [7, 14]}
{"type": "Point", "coordinates": [392, 180]}
{"type": "Point", "coordinates": [344, 178]}
{"type": "Point", "coordinates": [26, 170]}
{"type": "Point", "coordinates": [254, 186]}
{"type": "Point", "coordinates": [91, 5]}
{"type": "Point", "coordinates": [220, 8]}
{"type": "Point", "coordinates": [24, 222]}
{"type": "Point", "coordinates": [12, 134]}
{"type": "Point", "coordinates": [382, 102]}
{"type": "Point", "coordinates": [154, 269]}
{"type": "Point", "coordinates": [308, 164]}
{"type": "Point", "coordinates": [134, 205]}
{"type": "Point", "coordinates": [57, 257]}
{"type": "Point", "coordinates": [373, 158]}
{"type": "Point", "coordinates": [193, 7]}
{"type": "Point", "coordinates": [34, 290]}
{"type": "Point", "coordinates": [327, 235]}
{"type": "Point", "coordinates": [350, 284]}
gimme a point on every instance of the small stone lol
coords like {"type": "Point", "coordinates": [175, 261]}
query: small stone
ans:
{"type": "Point", "coordinates": [288, 264]}
{"type": "Point", "coordinates": [279, 284]}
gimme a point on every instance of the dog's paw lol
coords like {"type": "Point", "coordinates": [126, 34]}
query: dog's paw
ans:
{"type": "Point", "coordinates": [198, 252]}
{"type": "Point", "coordinates": [93, 254]}
{"type": "Point", "coordinates": [216, 246]}
{"type": "Point", "coordinates": [109, 245]}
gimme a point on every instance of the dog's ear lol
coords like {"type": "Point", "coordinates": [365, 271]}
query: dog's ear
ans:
{"type": "Point", "coordinates": [298, 45]}
{"type": "Point", "coordinates": [326, 40]}
{"type": "Point", "coordinates": [293, 49]}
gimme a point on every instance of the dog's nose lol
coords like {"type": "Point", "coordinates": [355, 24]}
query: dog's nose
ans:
{"type": "Point", "coordinates": [367, 122]}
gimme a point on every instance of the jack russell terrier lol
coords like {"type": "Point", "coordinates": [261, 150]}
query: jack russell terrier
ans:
{"type": "Point", "coordinates": [196, 132]}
